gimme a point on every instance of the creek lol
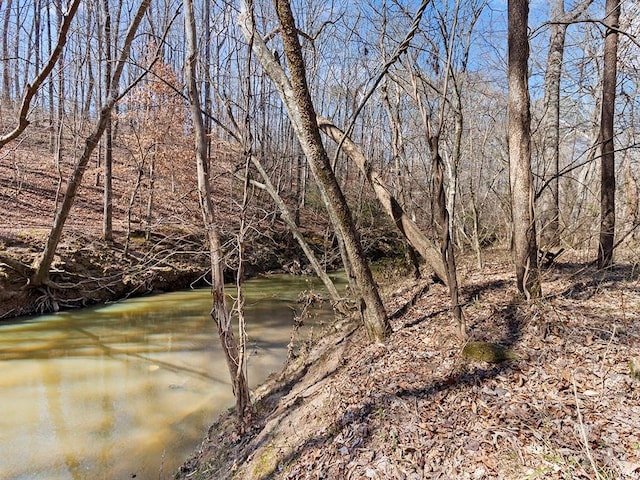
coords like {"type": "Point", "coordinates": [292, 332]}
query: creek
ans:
{"type": "Point", "coordinates": [127, 390]}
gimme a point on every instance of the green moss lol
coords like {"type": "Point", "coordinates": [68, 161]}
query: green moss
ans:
{"type": "Point", "coordinates": [266, 463]}
{"type": "Point", "coordinates": [487, 352]}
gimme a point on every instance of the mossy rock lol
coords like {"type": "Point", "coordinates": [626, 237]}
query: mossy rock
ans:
{"type": "Point", "coordinates": [487, 352]}
{"type": "Point", "coordinates": [266, 463]}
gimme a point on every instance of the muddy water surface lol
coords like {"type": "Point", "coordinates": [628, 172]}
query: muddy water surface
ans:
{"type": "Point", "coordinates": [127, 390]}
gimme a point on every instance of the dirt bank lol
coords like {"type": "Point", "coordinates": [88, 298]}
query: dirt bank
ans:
{"type": "Point", "coordinates": [88, 271]}
{"type": "Point", "coordinates": [567, 407]}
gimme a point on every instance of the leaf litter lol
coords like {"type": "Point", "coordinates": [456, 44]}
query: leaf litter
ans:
{"type": "Point", "coordinates": [414, 408]}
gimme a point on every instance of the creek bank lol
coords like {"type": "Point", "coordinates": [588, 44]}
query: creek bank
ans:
{"type": "Point", "coordinates": [416, 407]}
{"type": "Point", "coordinates": [87, 271]}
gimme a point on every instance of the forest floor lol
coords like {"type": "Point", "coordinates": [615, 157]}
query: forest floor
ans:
{"type": "Point", "coordinates": [567, 407]}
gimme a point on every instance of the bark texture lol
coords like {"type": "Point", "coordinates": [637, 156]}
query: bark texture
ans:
{"type": "Point", "coordinates": [549, 196]}
{"type": "Point", "coordinates": [306, 126]}
{"type": "Point", "coordinates": [446, 245]}
{"type": "Point", "coordinates": [520, 177]}
{"type": "Point", "coordinates": [607, 165]}
{"type": "Point", "coordinates": [416, 238]}
{"type": "Point", "coordinates": [107, 214]}
{"type": "Point", "coordinates": [219, 310]}
{"type": "Point", "coordinates": [549, 204]}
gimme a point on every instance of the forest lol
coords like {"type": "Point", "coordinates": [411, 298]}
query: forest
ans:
{"type": "Point", "coordinates": [471, 166]}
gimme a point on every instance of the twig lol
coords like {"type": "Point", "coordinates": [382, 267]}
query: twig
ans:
{"type": "Point", "coordinates": [583, 432]}
{"type": "Point", "coordinates": [606, 352]}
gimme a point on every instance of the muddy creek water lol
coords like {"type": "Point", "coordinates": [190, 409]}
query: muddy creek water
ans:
{"type": "Point", "coordinates": [127, 390]}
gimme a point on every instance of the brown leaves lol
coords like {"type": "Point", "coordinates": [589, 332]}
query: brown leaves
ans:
{"type": "Point", "coordinates": [414, 409]}
{"type": "Point", "coordinates": [432, 416]}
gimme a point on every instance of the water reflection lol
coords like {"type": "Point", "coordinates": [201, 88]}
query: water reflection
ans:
{"type": "Point", "coordinates": [127, 389]}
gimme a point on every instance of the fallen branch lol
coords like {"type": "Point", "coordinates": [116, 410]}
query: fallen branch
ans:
{"type": "Point", "coordinates": [16, 265]}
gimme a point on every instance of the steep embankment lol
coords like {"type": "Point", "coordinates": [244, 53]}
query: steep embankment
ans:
{"type": "Point", "coordinates": [88, 270]}
{"type": "Point", "coordinates": [567, 407]}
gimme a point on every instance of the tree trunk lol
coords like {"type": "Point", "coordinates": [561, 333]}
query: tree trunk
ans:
{"type": "Point", "coordinates": [6, 64]}
{"type": "Point", "coordinates": [41, 274]}
{"type": "Point", "coordinates": [32, 89]}
{"type": "Point", "coordinates": [418, 240]}
{"type": "Point", "coordinates": [219, 310]}
{"type": "Point", "coordinates": [289, 219]}
{"type": "Point", "coordinates": [129, 212]}
{"type": "Point", "coordinates": [60, 77]}
{"type": "Point", "coordinates": [607, 165]}
{"type": "Point", "coordinates": [107, 214]}
{"type": "Point", "coordinates": [151, 196]}
{"type": "Point", "coordinates": [398, 152]}
{"type": "Point", "coordinates": [520, 177]}
{"type": "Point", "coordinates": [37, 9]}
{"type": "Point", "coordinates": [549, 201]}
{"type": "Point", "coordinates": [302, 113]}
{"type": "Point", "coordinates": [446, 245]}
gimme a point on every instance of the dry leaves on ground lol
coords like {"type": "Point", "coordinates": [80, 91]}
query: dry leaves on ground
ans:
{"type": "Point", "coordinates": [569, 407]}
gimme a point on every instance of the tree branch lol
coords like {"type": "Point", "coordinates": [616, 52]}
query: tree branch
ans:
{"type": "Point", "coordinates": [32, 88]}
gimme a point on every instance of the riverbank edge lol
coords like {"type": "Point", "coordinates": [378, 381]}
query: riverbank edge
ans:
{"type": "Point", "coordinates": [89, 271]}
{"type": "Point", "coordinates": [227, 453]}
{"type": "Point", "coordinates": [418, 407]}
{"type": "Point", "coordinates": [292, 393]}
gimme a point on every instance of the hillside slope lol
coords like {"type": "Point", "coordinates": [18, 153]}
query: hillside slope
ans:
{"type": "Point", "coordinates": [567, 407]}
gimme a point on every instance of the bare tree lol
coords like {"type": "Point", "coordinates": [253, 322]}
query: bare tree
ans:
{"type": "Point", "coordinates": [397, 155]}
{"type": "Point", "coordinates": [32, 88]}
{"type": "Point", "coordinates": [296, 96]}
{"type": "Point", "coordinates": [607, 165]}
{"type": "Point", "coordinates": [525, 249]}
{"type": "Point", "coordinates": [219, 311]}
{"type": "Point", "coordinates": [374, 314]}
{"type": "Point", "coordinates": [107, 215]}
{"type": "Point", "coordinates": [407, 227]}
{"type": "Point", "coordinates": [41, 275]}
{"type": "Point", "coordinates": [549, 200]}
{"type": "Point", "coordinates": [6, 65]}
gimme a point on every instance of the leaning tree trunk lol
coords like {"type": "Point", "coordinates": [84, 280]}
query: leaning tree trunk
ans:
{"type": "Point", "coordinates": [219, 311]}
{"type": "Point", "coordinates": [41, 274]}
{"type": "Point", "coordinates": [520, 177]}
{"type": "Point", "coordinates": [32, 88]}
{"type": "Point", "coordinates": [607, 165]}
{"type": "Point", "coordinates": [289, 219]}
{"type": "Point", "coordinates": [409, 229]}
{"type": "Point", "coordinates": [303, 117]}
